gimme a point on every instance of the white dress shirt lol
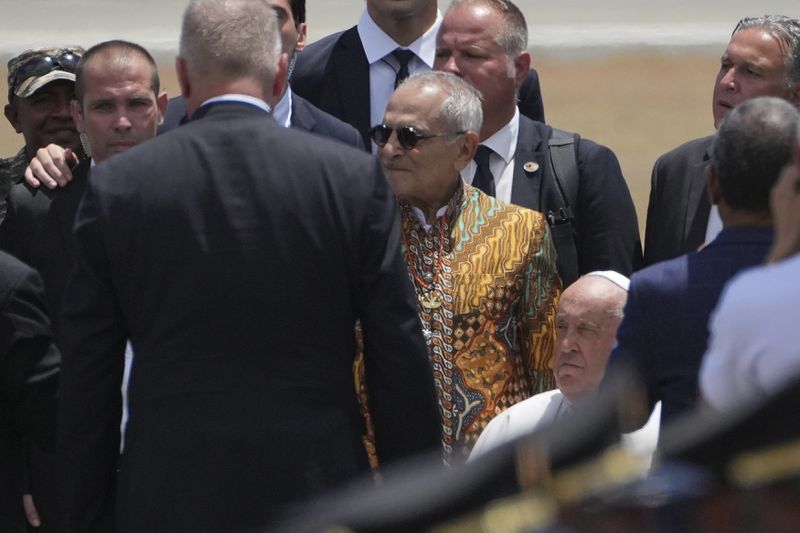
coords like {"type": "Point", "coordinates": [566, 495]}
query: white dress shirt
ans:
{"type": "Point", "coordinates": [382, 69]}
{"type": "Point", "coordinates": [283, 109]}
{"type": "Point", "coordinates": [501, 162]}
{"type": "Point", "coordinates": [754, 341]}
{"type": "Point", "coordinates": [714, 224]}
{"type": "Point", "coordinates": [242, 98]}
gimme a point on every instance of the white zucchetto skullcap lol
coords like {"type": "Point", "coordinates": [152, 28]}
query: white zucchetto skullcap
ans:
{"type": "Point", "coordinates": [614, 277]}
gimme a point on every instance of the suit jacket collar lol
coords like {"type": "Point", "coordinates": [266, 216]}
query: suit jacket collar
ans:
{"type": "Point", "coordinates": [217, 108]}
{"type": "Point", "coordinates": [742, 235]}
{"type": "Point", "coordinates": [352, 78]}
{"type": "Point", "coordinates": [529, 159]}
{"type": "Point", "coordinates": [302, 118]}
{"type": "Point", "coordinates": [698, 205]}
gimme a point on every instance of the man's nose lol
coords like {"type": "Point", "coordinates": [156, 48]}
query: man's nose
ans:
{"type": "Point", "coordinates": [567, 340]}
{"type": "Point", "coordinates": [450, 65]}
{"type": "Point", "coordinates": [728, 80]}
{"type": "Point", "coordinates": [122, 122]}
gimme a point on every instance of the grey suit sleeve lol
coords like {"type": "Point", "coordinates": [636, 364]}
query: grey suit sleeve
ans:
{"type": "Point", "coordinates": [93, 358]}
{"type": "Point", "coordinates": [398, 374]}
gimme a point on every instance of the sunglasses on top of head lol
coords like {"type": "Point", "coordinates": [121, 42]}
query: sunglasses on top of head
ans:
{"type": "Point", "coordinates": [41, 65]}
{"type": "Point", "coordinates": [407, 136]}
{"type": "Point", "coordinates": [67, 61]}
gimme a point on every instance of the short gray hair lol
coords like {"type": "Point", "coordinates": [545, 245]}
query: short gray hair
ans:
{"type": "Point", "coordinates": [753, 144]}
{"type": "Point", "coordinates": [231, 39]}
{"type": "Point", "coordinates": [787, 31]}
{"type": "Point", "coordinates": [513, 38]}
{"type": "Point", "coordinates": [461, 109]}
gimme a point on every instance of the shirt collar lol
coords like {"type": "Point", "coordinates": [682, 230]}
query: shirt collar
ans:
{"type": "Point", "coordinates": [452, 208]}
{"type": "Point", "coordinates": [377, 44]}
{"type": "Point", "coordinates": [283, 110]}
{"type": "Point", "coordinates": [504, 140]}
{"type": "Point", "coordinates": [243, 98]}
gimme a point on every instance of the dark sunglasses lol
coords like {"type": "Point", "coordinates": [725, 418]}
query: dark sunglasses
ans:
{"type": "Point", "coordinates": [41, 65]}
{"type": "Point", "coordinates": [407, 136]}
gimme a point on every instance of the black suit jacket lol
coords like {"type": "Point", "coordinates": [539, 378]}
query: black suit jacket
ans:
{"type": "Point", "coordinates": [28, 374]}
{"type": "Point", "coordinates": [38, 231]}
{"type": "Point", "coordinates": [606, 225]}
{"type": "Point", "coordinates": [677, 213]}
{"type": "Point", "coordinates": [333, 74]}
{"type": "Point", "coordinates": [305, 117]}
{"type": "Point", "coordinates": [238, 276]}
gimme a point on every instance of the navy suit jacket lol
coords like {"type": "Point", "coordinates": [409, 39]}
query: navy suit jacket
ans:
{"type": "Point", "coordinates": [305, 117]}
{"type": "Point", "coordinates": [238, 276]}
{"type": "Point", "coordinates": [677, 213]}
{"type": "Point", "coordinates": [606, 225]}
{"type": "Point", "coordinates": [665, 329]}
{"type": "Point", "coordinates": [333, 74]}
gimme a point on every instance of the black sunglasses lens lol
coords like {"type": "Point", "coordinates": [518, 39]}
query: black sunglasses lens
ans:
{"type": "Point", "coordinates": [408, 137]}
{"type": "Point", "coordinates": [66, 62]}
{"type": "Point", "coordinates": [380, 134]}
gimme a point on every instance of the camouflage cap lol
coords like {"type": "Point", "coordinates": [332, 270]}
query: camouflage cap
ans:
{"type": "Point", "coordinates": [33, 69]}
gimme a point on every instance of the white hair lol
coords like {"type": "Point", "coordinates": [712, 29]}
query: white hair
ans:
{"type": "Point", "coordinates": [231, 39]}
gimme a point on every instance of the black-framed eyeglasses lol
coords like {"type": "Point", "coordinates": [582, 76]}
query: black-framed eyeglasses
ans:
{"type": "Point", "coordinates": [41, 65]}
{"type": "Point", "coordinates": [407, 136]}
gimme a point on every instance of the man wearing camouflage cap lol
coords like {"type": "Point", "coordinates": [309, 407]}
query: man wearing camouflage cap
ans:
{"type": "Point", "coordinates": [41, 84]}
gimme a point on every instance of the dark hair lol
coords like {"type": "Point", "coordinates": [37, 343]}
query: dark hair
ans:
{"type": "Point", "coordinates": [298, 10]}
{"type": "Point", "coordinates": [125, 47]}
{"type": "Point", "coordinates": [751, 147]}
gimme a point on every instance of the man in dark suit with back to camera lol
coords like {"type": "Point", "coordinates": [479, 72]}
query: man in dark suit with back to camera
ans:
{"type": "Point", "coordinates": [762, 59]}
{"type": "Point", "coordinates": [352, 74]}
{"type": "Point", "coordinates": [665, 329]}
{"type": "Point", "coordinates": [587, 202]}
{"type": "Point", "coordinates": [207, 255]}
{"type": "Point", "coordinates": [291, 110]}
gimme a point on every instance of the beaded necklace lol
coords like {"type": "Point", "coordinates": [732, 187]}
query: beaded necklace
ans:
{"type": "Point", "coordinates": [425, 284]}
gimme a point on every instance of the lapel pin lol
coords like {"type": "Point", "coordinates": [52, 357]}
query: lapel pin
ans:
{"type": "Point", "coordinates": [531, 166]}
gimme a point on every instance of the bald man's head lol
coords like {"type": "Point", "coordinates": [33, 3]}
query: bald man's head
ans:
{"type": "Point", "coordinates": [589, 313]}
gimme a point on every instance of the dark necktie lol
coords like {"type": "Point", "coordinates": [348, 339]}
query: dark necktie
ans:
{"type": "Point", "coordinates": [403, 57]}
{"type": "Point", "coordinates": [483, 176]}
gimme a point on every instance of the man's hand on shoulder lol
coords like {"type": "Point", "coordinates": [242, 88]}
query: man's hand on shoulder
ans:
{"type": "Point", "coordinates": [51, 167]}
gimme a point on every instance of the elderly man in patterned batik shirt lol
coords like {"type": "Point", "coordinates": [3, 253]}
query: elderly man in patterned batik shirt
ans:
{"type": "Point", "coordinates": [484, 271]}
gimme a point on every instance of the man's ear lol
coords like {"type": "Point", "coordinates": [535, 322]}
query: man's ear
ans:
{"type": "Point", "coordinates": [302, 35]}
{"type": "Point", "coordinates": [712, 183]}
{"type": "Point", "coordinates": [13, 117]}
{"type": "Point", "coordinates": [183, 77]}
{"type": "Point", "coordinates": [522, 65]}
{"type": "Point", "coordinates": [281, 75]}
{"type": "Point", "coordinates": [77, 115]}
{"type": "Point", "coordinates": [468, 145]}
{"type": "Point", "coordinates": [162, 101]}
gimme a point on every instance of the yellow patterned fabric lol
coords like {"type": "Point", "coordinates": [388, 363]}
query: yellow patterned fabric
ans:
{"type": "Point", "coordinates": [487, 288]}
